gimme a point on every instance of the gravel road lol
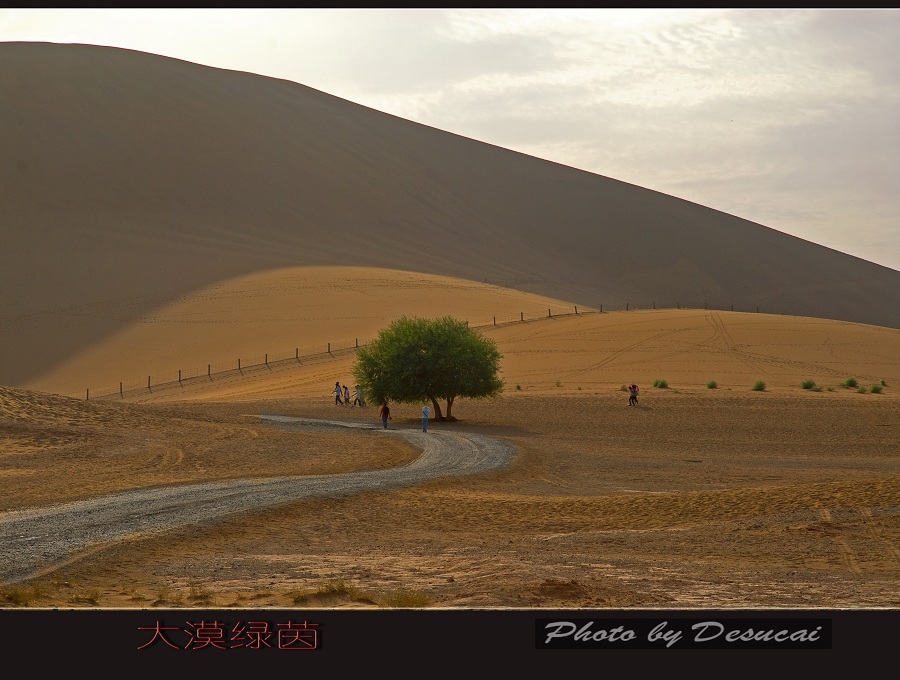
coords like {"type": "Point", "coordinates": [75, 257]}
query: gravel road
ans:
{"type": "Point", "coordinates": [36, 539]}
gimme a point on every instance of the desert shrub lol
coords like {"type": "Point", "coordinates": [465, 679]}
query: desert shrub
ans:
{"type": "Point", "coordinates": [830, 388]}
{"type": "Point", "coordinates": [876, 389]}
{"type": "Point", "coordinates": [883, 383]}
{"type": "Point", "coordinates": [558, 383]}
{"type": "Point", "coordinates": [808, 384]}
{"type": "Point", "coordinates": [407, 599]}
{"type": "Point", "coordinates": [661, 383]}
{"type": "Point", "coordinates": [712, 384]}
{"type": "Point", "coordinates": [817, 388]}
{"type": "Point", "coordinates": [623, 388]}
{"type": "Point", "coordinates": [17, 596]}
{"type": "Point", "coordinates": [518, 388]}
{"type": "Point", "coordinates": [165, 596]}
{"type": "Point", "coordinates": [199, 593]}
{"type": "Point", "coordinates": [851, 382]}
{"type": "Point", "coordinates": [861, 389]}
{"type": "Point", "coordinates": [759, 386]}
{"type": "Point", "coordinates": [339, 587]}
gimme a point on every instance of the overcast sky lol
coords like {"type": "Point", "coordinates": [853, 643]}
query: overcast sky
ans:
{"type": "Point", "coordinates": [789, 118]}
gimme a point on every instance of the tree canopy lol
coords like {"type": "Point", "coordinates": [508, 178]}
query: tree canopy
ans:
{"type": "Point", "coordinates": [415, 360]}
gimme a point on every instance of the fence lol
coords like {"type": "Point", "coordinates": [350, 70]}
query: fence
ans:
{"type": "Point", "coordinates": [248, 366]}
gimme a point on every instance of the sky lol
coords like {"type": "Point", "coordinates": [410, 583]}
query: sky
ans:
{"type": "Point", "coordinates": [788, 118]}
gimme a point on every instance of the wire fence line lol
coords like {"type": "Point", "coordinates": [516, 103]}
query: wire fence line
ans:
{"type": "Point", "coordinates": [246, 366]}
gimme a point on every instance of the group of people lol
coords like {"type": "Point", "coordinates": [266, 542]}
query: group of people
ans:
{"type": "Point", "coordinates": [343, 397]}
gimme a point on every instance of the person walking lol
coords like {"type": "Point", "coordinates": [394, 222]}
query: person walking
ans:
{"type": "Point", "coordinates": [633, 398]}
{"type": "Point", "coordinates": [346, 396]}
{"type": "Point", "coordinates": [337, 393]}
{"type": "Point", "coordinates": [358, 399]}
{"type": "Point", "coordinates": [385, 414]}
{"type": "Point", "coordinates": [426, 413]}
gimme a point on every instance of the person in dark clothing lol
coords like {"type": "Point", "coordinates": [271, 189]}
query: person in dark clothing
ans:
{"type": "Point", "coordinates": [633, 398]}
{"type": "Point", "coordinates": [385, 414]}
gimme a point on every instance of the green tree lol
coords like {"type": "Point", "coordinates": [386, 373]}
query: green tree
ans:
{"type": "Point", "coordinates": [415, 360]}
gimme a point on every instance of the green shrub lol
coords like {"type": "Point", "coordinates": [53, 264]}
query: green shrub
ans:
{"type": "Point", "coordinates": [661, 383]}
{"type": "Point", "coordinates": [818, 388]}
{"type": "Point", "coordinates": [712, 384]}
{"type": "Point", "coordinates": [861, 389]}
{"type": "Point", "coordinates": [759, 386]}
{"type": "Point", "coordinates": [518, 387]}
{"type": "Point", "coordinates": [830, 388]}
{"type": "Point", "coordinates": [851, 382]}
{"type": "Point", "coordinates": [883, 383]}
{"type": "Point", "coordinates": [876, 389]}
{"type": "Point", "coordinates": [808, 384]}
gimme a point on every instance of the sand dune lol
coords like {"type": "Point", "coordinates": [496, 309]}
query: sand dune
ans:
{"type": "Point", "coordinates": [163, 219]}
{"type": "Point", "coordinates": [132, 180]}
{"type": "Point", "coordinates": [277, 314]}
{"type": "Point", "coordinates": [274, 316]}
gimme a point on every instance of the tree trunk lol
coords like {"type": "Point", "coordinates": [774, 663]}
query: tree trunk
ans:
{"type": "Point", "coordinates": [437, 409]}
{"type": "Point", "coordinates": [449, 407]}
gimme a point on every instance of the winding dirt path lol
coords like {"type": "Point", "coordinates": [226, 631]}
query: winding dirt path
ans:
{"type": "Point", "coordinates": [34, 540]}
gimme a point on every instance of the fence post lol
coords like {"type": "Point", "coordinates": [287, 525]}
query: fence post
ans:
{"type": "Point", "coordinates": [626, 306]}
{"type": "Point", "coordinates": [87, 396]}
{"type": "Point", "coordinates": [239, 364]}
{"type": "Point", "coordinates": [329, 348]}
{"type": "Point", "coordinates": [548, 313]}
{"type": "Point", "coordinates": [495, 320]}
{"type": "Point", "coordinates": [267, 358]}
{"type": "Point", "coordinates": [148, 382]}
{"type": "Point", "coordinates": [521, 316]}
{"type": "Point", "coordinates": [121, 395]}
{"type": "Point", "coordinates": [601, 308]}
{"type": "Point", "coordinates": [179, 376]}
{"type": "Point", "coordinates": [297, 354]}
{"type": "Point", "coordinates": [209, 370]}
{"type": "Point", "coordinates": [357, 343]}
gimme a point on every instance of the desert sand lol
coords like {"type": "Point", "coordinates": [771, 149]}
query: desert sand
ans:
{"type": "Point", "coordinates": [132, 181]}
{"type": "Point", "coordinates": [697, 498]}
{"type": "Point", "coordinates": [187, 250]}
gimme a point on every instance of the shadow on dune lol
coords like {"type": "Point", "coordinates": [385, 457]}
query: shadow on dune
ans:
{"type": "Point", "coordinates": [131, 179]}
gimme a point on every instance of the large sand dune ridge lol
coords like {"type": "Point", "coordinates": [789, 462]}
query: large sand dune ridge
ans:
{"type": "Point", "coordinates": [131, 180]}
